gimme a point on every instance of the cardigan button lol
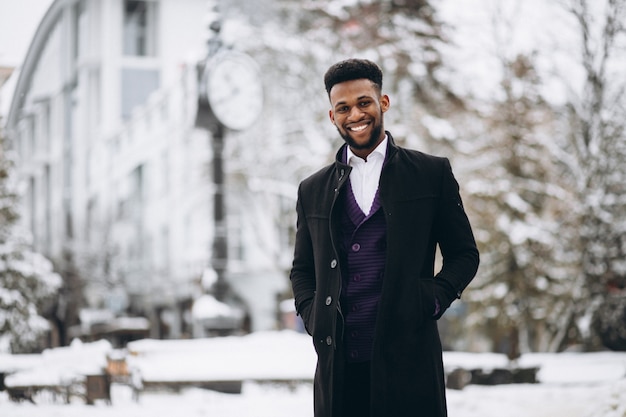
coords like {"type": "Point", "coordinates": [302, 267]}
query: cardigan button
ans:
{"type": "Point", "coordinates": [329, 300]}
{"type": "Point", "coordinates": [333, 264]}
{"type": "Point", "coordinates": [329, 340]}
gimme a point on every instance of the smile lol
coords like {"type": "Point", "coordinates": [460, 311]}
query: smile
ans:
{"type": "Point", "coordinates": [358, 128]}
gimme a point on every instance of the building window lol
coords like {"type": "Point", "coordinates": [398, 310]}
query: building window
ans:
{"type": "Point", "coordinates": [91, 218]}
{"type": "Point", "coordinates": [43, 129]}
{"type": "Point", "coordinates": [140, 28]}
{"type": "Point", "coordinates": [164, 183]}
{"type": "Point", "coordinates": [94, 97]}
{"type": "Point", "coordinates": [48, 209]}
{"type": "Point", "coordinates": [138, 192]}
{"type": "Point", "coordinates": [80, 30]}
{"type": "Point", "coordinates": [137, 85]}
{"type": "Point", "coordinates": [27, 137]}
{"type": "Point", "coordinates": [32, 208]}
{"type": "Point", "coordinates": [163, 253]}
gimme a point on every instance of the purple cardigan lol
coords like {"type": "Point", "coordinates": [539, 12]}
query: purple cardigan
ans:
{"type": "Point", "coordinates": [364, 249]}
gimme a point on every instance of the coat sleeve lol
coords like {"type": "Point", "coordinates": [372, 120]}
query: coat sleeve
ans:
{"type": "Point", "coordinates": [456, 242]}
{"type": "Point", "coordinates": [302, 274]}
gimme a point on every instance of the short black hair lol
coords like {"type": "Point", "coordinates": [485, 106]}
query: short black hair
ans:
{"type": "Point", "coordinates": [353, 69]}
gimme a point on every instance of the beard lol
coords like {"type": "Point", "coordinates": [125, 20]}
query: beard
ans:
{"type": "Point", "coordinates": [370, 144]}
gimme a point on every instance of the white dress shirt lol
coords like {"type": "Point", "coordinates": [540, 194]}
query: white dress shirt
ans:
{"type": "Point", "coordinates": [365, 175]}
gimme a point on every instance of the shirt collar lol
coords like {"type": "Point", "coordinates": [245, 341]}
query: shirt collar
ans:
{"type": "Point", "coordinates": [381, 149]}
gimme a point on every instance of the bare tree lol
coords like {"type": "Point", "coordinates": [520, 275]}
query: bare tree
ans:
{"type": "Point", "coordinates": [596, 148]}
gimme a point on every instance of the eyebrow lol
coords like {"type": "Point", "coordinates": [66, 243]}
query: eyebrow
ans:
{"type": "Point", "coordinates": [339, 103]}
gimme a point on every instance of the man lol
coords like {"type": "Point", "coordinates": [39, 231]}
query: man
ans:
{"type": "Point", "coordinates": [363, 270]}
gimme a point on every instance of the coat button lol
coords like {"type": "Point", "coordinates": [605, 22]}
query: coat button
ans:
{"type": "Point", "coordinates": [333, 263]}
{"type": "Point", "coordinates": [329, 300]}
{"type": "Point", "coordinates": [329, 340]}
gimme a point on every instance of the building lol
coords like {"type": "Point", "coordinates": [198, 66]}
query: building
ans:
{"type": "Point", "coordinates": [118, 178]}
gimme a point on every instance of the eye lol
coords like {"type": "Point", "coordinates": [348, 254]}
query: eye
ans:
{"type": "Point", "coordinates": [342, 109]}
{"type": "Point", "coordinates": [365, 103]}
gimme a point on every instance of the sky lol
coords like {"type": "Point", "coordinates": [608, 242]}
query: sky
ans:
{"type": "Point", "coordinates": [18, 22]}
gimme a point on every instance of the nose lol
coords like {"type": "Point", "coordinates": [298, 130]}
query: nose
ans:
{"type": "Point", "coordinates": [355, 114]}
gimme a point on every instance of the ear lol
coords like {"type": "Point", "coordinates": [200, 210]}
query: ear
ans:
{"type": "Point", "coordinates": [332, 116]}
{"type": "Point", "coordinates": [384, 102]}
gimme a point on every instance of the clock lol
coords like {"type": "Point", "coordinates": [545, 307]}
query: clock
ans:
{"type": "Point", "coordinates": [233, 89]}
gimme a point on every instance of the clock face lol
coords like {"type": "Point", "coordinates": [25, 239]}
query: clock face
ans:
{"type": "Point", "coordinates": [234, 90]}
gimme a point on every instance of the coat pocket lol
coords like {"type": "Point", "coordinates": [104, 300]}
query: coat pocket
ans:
{"type": "Point", "coordinates": [427, 298]}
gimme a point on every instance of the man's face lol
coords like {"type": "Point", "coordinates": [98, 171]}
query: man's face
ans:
{"type": "Point", "coordinates": [357, 109]}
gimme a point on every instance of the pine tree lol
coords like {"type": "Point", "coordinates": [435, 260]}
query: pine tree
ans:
{"type": "Point", "coordinates": [523, 296]}
{"type": "Point", "coordinates": [27, 282]}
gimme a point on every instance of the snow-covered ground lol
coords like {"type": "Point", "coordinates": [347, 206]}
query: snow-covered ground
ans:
{"type": "Point", "coordinates": [571, 384]}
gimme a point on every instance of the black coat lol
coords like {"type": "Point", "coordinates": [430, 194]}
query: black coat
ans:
{"type": "Point", "coordinates": [422, 207]}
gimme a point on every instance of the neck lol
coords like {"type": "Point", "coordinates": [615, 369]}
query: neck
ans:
{"type": "Point", "coordinates": [362, 153]}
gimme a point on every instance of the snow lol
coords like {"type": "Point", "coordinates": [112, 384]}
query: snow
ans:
{"type": "Point", "coordinates": [571, 384]}
{"type": "Point", "coordinates": [61, 366]}
{"type": "Point", "coordinates": [206, 306]}
{"type": "Point", "coordinates": [259, 356]}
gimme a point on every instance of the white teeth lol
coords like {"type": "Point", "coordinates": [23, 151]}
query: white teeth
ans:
{"type": "Point", "coordinates": [358, 129]}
